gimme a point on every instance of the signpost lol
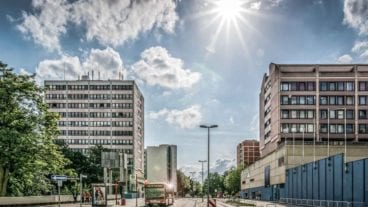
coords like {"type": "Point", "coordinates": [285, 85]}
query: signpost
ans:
{"type": "Point", "coordinates": [59, 179]}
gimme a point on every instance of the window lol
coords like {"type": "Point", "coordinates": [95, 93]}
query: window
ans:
{"type": "Point", "coordinates": [310, 114]}
{"type": "Point", "coordinates": [349, 100]}
{"type": "Point", "coordinates": [310, 100]}
{"type": "Point", "coordinates": [285, 128]}
{"type": "Point", "coordinates": [310, 86]}
{"type": "Point", "coordinates": [340, 128]}
{"type": "Point", "coordinates": [332, 86]}
{"type": "Point", "coordinates": [323, 128]}
{"type": "Point", "coordinates": [310, 128]}
{"type": "Point", "coordinates": [302, 128]}
{"type": "Point", "coordinates": [284, 100]}
{"type": "Point", "coordinates": [350, 114]}
{"type": "Point", "coordinates": [332, 100]}
{"type": "Point", "coordinates": [333, 128]}
{"type": "Point", "coordinates": [294, 114]}
{"type": "Point", "coordinates": [285, 114]}
{"type": "Point", "coordinates": [323, 114]}
{"type": "Point", "coordinates": [284, 86]}
{"type": "Point", "coordinates": [302, 100]}
{"type": "Point", "coordinates": [293, 86]}
{"type": "Point", "coordinates": [332, 114]}
{"type": "Point", "coordinates": [323, 100]}
{"type": "Point", "coordinates": [362, 114]}
{"type": "Point", "coordinates": [349, 128]}
{"type": "Point", "coordinates": [323, 86]}
{"type": "Point", "coordinates": [340, 86]}
{"type": "Point", "coordinates": [294, 100]}
{"type": "Point", "coordinates": [362, 128]}
{"type": "Point", "coordinates": [340, 114]}
{"type": "Point", "coordinates": [362, 86]}
{"type": "Point", "coordinates": [302, 114]}
{"type": "Point", "coordinates": [340, 100]}
{"type": "Point", "coordinates": [293, 128]}
{"type": "Point", "coordinates": [302, 86]}
{"type": "Point", "coordinates": [349, 86]}
{"type": "Point", "coordinates": [362, 100]}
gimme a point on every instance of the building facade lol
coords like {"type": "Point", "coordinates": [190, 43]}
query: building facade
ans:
{"type": "Point", "coordinates": [310, 102]}
{"type": "Point", "coordinates": [100, 112]}
{"type": "Point", "coordinates": [161, 164]}
{"type": "Point", "coordinates": [247, 152]}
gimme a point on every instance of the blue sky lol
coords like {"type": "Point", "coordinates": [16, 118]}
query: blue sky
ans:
{"type": "Point", "coordinates": [194, 61]}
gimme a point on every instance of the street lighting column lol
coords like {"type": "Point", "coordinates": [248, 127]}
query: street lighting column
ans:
{"type": "Point", "coordinates": [208, 159]}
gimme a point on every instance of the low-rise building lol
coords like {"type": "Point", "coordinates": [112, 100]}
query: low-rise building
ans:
{"type": "Point", "coordinates": [247, 152]}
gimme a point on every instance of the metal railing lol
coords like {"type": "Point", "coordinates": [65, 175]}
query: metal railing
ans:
{"type": "Point", "coordinates": [321, 203]}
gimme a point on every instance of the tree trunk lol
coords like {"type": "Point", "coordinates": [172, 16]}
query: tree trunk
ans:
{"type": "Point", "coordinates": [4, 178]}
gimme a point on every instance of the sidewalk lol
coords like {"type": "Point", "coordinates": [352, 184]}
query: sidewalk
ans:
{"type": "Point", "coordinates": [222, 203]}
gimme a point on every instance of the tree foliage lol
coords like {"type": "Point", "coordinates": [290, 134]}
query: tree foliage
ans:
{"type": "Point", "coordinates": [232, 181]}
{"type": "Point", "coordinates": [27, 129]}
{"type": "Point", "coordinates": [216, 184]}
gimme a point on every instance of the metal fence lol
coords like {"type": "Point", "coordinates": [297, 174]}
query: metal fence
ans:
{"type": "Point", "coordinates": [321, 203]}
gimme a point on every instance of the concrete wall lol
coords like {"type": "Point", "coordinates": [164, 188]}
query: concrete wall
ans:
{"type": "Point", "coordinates": [253, 176]}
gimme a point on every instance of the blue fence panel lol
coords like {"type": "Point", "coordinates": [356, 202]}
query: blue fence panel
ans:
{"type": "Point", "coordinates": [304, 181]}
{"type": "Point", "coordinates": [348, 184]}
{"type": "Point", "coordinates": [295, 183]}
{"type": "Point", "coordinates": [316, 181]}
{"type": "Point", "coordinates": [337, 174]}
{"type": "Point", "coordinates": [299, 181]}
{"type": "Point", "coordinates": [358, 178]}
{"type": "Point", "coordinates": [310, 181]}
{"type": "Point", "coordinates": [330, 178]}
{"type": "Point", "coordinates": [366, 179]}
{"type": "Point", "coordinates": [322, 179]}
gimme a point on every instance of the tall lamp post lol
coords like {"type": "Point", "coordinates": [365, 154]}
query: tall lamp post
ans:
{"type": "Point", "coordinates": [202, 161]}
{"type": "Point", "coordinates": [208, 127]}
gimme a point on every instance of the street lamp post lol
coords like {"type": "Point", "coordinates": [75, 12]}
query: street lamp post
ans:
{"type": "Point", "coordinates": [208, 127]}
{"type": "Point", "coordinates": [202, 161]}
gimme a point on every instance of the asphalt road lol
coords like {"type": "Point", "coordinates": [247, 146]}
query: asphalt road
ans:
{"type": "Point", "coordinates": [179, 202]}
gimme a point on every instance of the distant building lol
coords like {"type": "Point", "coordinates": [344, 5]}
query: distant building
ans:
{"type": "Point", "coordinates": [247, 152]}
{"type": "Point", "coordinates": [101, 112]}
{"type": "Point", "coordinates": [161, 164]}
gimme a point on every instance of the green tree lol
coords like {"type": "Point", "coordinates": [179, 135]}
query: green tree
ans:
{"type": "Point", "coordinates": [216, 184]}
{"type": "Point", "coordinates": [232, 181]}
{"type": "Point", "coordinates": [27, 152]}
{"type": "Point", "coordinates": [183, 183]}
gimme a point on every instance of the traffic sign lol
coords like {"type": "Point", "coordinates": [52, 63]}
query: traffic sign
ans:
{"type": "Point", "coordinates": [59, 177]}
{"type": "Point", "coordinates": [60, 183]}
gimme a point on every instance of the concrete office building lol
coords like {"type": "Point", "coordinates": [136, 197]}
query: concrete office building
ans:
{"type": "Point", "coordinates": [161, 164]}
{"type": "Point", "coordinates": [105, 112]}
{"type": "Point", "coordinates": [306, 112]}
{"type": "Point", "coordinates": [247, 152]}
{"type": "Point", "coordinates": [296, 99]}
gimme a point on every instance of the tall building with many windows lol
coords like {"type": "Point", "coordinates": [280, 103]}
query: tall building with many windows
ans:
{"type": "Point", "coordinates": [105, 112]}
{"type": "Point", "coordinates": [247, 152]}
{"type": "Point", "coordinates": [310, 102]}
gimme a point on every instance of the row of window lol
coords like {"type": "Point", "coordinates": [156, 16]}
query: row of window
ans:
{"type": "Point", "coordinates": [90, 96]}
{"type": "Point", "coordinates": [324, 86]}
{"type": "Point", "coordinates": [96, 123]}
{"type": "Point", "coordinates": [298, 100]}
{"type": "Point", "coordinates": [298, 86]}
{"type": "Point", "coordinates": [96, 114]}
{"type": "Point", "coordinates": [95, 133]}
{"type": "Point", "coordinates": [309, 128]}
{"type": "Point", "coordinates": [337, 100]}
{"type": "Point", "coordinates": [334, 114]}
{"type": "Point", "coordinates": [337, 86]}
{"type": "Point", "coordinates": [92, 105]}
{"type": "Point", "coordinates": [91, 87]}
{"type": "Point", "coordinates": [99, 141]}
{"type": "Point", "coordinates": [297, 114]}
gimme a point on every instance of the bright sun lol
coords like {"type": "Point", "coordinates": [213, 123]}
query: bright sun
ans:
{"type": "Point", "coordinates": [228, 9]}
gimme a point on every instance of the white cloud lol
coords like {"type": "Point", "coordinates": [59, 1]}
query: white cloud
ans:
{"type": "Point", "coordinates": [344, 59]}
{"type": "Point", "coordinates": [158, 67]}
{"type": "Point", "coordinates": [360, 46]}
{"type": "Point", "coordinates": [114, 22]}
{"type": "Point", "coordinates": [23, 71]}
{"type": "Point", "coordinates": [186, 118]}
{"type": "Point", "coordinates": [109, 22]}
{"type": "Point", "coordinates": [255, 5]}
{"type": "Point", "coordinates": [231, 119]}
{"type": "Point", "coordinates": [48, 24]}
{"type": "Point", "coordinates": [356, 15]}
{"type": "Point", "coordinates": [107, 62]}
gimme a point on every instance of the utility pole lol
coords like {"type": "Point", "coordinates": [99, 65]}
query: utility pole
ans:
{"type": "Point", "coordinates": [81, 176]}
{"type": "Point", "coordinates": [202, 161]}
{"type": "Point", "coordinates": [192, 181]}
